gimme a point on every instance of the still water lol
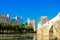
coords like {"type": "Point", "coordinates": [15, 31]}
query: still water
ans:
{"type": "Point", "coordinates": [22, 37]}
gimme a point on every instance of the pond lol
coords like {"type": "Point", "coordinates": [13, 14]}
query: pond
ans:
{"type": "Point", "coordinates": [28, 36]}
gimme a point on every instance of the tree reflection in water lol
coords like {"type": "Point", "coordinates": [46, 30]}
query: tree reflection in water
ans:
{"type": "Point", "coordinates": [17, 37]}
{"type": "Point", "coordinates": [23, 37]}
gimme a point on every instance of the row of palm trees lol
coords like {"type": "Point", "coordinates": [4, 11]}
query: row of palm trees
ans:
{"type": "Point", "coordinates": [15, 28]}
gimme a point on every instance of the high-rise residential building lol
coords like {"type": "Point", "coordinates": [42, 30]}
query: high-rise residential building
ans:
{"type": "Point", "coordinates": [17, 20]}
{"type": "Point", "coordinates": [4, 18]}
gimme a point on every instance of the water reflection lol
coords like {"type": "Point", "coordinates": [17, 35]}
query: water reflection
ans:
{"type": "Point", "coordinates": [17, 37]}
{"type": "Point", "coordinates": [23, 37]}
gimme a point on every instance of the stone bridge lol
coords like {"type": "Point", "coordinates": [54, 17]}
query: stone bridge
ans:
{"type": "Point", "coordinates": [50, 29]}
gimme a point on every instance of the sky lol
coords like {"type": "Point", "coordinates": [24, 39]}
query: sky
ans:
{"type": "Point", "coordinates": [30, 8]}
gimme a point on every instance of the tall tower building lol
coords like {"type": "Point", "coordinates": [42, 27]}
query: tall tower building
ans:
{"type": "Point", "coordinates": [28, 21]}
{"type": "Point", "coordinates": [8, 18]}
{"type": "Point", "coordinates": [33, 23]}
{"type": "Point", "coordinates": [8, 15]}
{"type": "Point", "coordinates": [21, 19]}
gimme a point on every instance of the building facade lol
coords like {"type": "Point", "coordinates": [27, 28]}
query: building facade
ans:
{"type": "Point", "coordinates": [17, 20]}
{"type": "Point", "coordinates": [4, 18]}
{"type": "Point", "coordinates": [32, 22]}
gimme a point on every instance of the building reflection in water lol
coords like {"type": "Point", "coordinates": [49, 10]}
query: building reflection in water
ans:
{"type": "Point", "coordinates": [40, 37]}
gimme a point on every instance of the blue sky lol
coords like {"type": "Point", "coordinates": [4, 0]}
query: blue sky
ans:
{"type": "Point", "coordinates": [30, 8]}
